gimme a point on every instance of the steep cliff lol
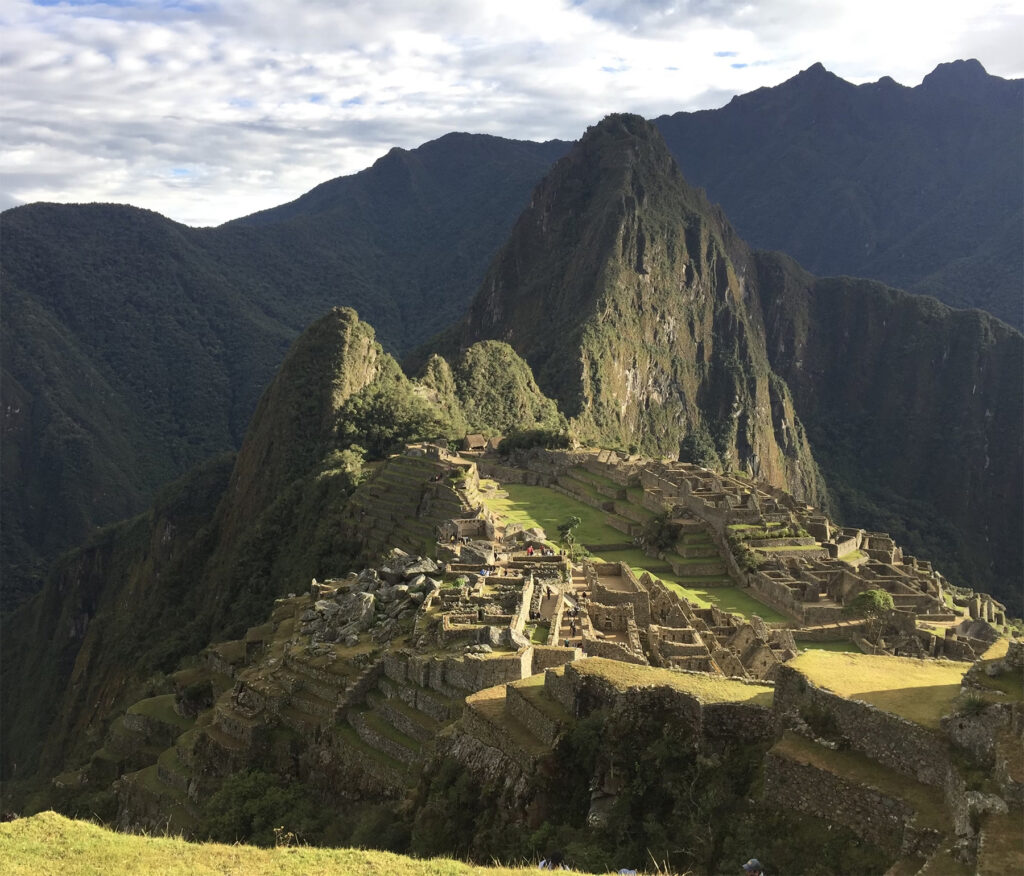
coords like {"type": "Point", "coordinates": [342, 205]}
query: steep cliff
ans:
{"type": "Point", "coordinates": [914, 411]}
{"type": "Point", "coordinates": [630, 297]}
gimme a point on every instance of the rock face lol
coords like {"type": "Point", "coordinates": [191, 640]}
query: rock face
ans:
{"type": "Point", "coordinates": [632, 300]}
{"type": "Point", "coordinates": [913, 410]}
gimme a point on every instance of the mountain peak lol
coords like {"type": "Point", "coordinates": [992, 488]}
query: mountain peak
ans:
{"type": "Point", "coordinates": [955, 74]}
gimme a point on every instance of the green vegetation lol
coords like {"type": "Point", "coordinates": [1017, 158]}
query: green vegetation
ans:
{"type": "Point", "coordinates": [706, 688]}
{"type": "Point", "coordinates": [539, 506]}
{"type": "Point", "coordinates": [51, 845]}
{"type": "Point", "coordinates": [842, 645]}
{"type": "Point", "coordinates": [918, 690]}
{"type": "Point", "coordinates": [869, 603]}
{"type": "Point", "coordinates": [143, 345]}
{"type": "Point", "coordinates": [498, 392]}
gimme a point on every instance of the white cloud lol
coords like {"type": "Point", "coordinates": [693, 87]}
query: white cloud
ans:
{"type": "Point", "coordinates": [206, 111]}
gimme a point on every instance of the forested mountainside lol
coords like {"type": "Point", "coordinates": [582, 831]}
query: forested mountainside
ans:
{"type": "Point", "coordinates": [642, 312]}
{"type": "Point", "coordinates": [917, 187]}
{"type": "Point", "coordinates": [135, 347]}
{"type": "Point", "coordinates": [205, 561]}
{"type": "Point", "coordinates": [625, 290]}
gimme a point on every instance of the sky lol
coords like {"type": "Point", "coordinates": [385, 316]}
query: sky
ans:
{"type": "Point", "coordinates": [207, 111]}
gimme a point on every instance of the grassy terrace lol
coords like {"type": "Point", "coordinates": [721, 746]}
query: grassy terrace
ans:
{"type": "Point", "coordinates": [706, 688]}
{"type": "Point", "coordinates": [161, 709]}
{"type": "Point", "coordinates": [842, 645]}
{"type": "Point", "coordinates": [539, 506]}
{"type": "Point", "coordinates": [855, 767]}
{"type": "Point", "coordinates": [918, 690]}
{"type": "Point", "coordinates": [48, 844]}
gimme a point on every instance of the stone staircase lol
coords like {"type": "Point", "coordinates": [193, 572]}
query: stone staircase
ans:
{"type": "Point", "coordinates": [697, 560]}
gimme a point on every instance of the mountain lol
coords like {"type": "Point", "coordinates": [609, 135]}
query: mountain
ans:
{"type": "Point", "coordinates": [626, 292]}
{"type": "Point", "coordinates": [642, 312]}
{"type": "Point", "coordinates": [917, 187]}
{"type": "Point", "coordinates": [217, 546]}
{"type": "Point", "coordinates": [135, 347]}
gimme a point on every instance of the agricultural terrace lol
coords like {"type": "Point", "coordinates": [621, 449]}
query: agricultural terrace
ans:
{"type": "Point", "coordinates": [918, 690]}
{"type": "Point", "coordinates": [540, 506]}
{"type": "Point", "coordinates": [706, 688]}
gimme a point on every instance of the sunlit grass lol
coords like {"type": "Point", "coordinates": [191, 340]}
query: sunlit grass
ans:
{"type": "Point", "coordinates": [51, 845]}
{"type": "Point", "coordinates": [539, 506]}
{"type": "Point", "coordinates": [918, 690]}
{"type": "Point", "coordinates": [704, 687]}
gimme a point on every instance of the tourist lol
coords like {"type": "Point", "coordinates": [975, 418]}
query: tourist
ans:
{"type": "Point", "coordinates": [529, 550]}
{"type": "Point", "coordinates": [552, 862]}
{"type": "Point", "coordinates": [753, 868]}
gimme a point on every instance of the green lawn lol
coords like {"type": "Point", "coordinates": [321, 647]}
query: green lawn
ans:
{"type": "Point", "coordinates": [842, 645]}
{"type": "Point", "coordinates": [539, 506]}
{"type": "Point", "coordinates": [706, 688]}
{"type": "Point", "coordinates": [733, 599]}
{"type": "Point", "coordinates": [918, 690]}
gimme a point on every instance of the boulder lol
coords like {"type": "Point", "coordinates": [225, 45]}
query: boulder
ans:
{"type": "Point", "coordinates": [392, 574]}
{"type": "Point", "coordinates": [358, 608]}
{"type": "Point", "coordinates": [327, 607]}
{"type": "Point", "coordinates": [417, 583]}
{"type": "Point", "coordinates": [477, 553]}
{"type": "Point", "coordinates": [491, 635]}
{"type": "Point", "coordinates": [422, 566]}
{"type": "Point", "coordinates": [512, 639]}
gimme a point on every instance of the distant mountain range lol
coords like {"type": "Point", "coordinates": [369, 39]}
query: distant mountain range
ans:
{"type": "Point", "coordinates": [134, 347]}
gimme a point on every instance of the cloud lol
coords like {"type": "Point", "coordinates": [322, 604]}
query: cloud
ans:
{"type": "Point", "coordinates": [206, 111]}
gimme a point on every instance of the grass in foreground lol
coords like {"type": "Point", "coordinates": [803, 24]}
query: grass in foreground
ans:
{"type": "Point", "coordinates": [51, 844]}
{"type": "Point", "coordinates": [706, 688]}
{"type": "Point", "coordinates": [918, 690]}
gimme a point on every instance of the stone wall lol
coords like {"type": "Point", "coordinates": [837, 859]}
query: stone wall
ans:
{"type": "Point", "coordinates": [611, 650]}
{"type": "Point", "coordinates": [894, 742]}
{"type": "Point", "coordinates": [547, 656]}
{"type": "Point", "coordinates": [540, 724]}
{"type": "Point", "coordinates": [878, 818]}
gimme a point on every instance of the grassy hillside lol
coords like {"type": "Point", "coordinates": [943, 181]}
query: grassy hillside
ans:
{"type": "Point", "coordinates": [51, 845]}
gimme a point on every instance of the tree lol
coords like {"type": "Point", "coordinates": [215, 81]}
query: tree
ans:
{"type": "Point", "coordinates": [869, 603]}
